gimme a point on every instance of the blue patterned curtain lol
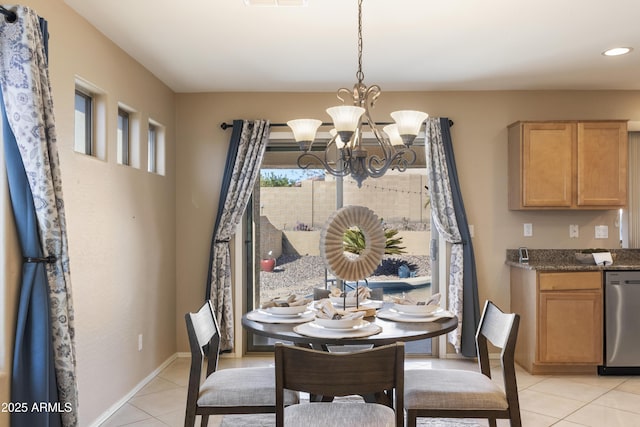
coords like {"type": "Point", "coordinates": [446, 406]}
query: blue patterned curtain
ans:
{"type": "Point", "coordinates": [246, 150]}
{"type": "Point", "coordinates": [450, 220]}
{"type": "Point", "coordinates": [43, 371]}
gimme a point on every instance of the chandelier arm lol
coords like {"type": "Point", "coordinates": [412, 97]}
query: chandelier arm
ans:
{"type": "Point", "coordinates": [382, 141]}
{"type": "Point", "coordinates": [344, 90]}
{"type": "Point", "coordinates": [397, 161]}
{"type": "Point", "coordinates": [374, 171]}
{"type": "Point", "coordinates": [371, 95]}
{"type": "Point", "coordinates": [403, 162]}
{"type": "Point", "coordinates": [307, 159]}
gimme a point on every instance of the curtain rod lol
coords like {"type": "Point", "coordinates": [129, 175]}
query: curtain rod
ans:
{"type": "Point", "coordinates": [10, 15]}
{"type": "Point", "coordinates": [225, 125]}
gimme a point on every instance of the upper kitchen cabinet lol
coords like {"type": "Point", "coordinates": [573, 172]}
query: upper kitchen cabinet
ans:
{"type": "Point", "coordinates": [568, 165]}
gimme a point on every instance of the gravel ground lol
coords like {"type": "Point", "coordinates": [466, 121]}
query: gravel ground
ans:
{"type": "Point", "coordinates": [296, 274]}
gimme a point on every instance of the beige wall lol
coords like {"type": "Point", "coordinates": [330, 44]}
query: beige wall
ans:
{"type": "Point", "coordinates": [480, 143]}
{"type": "Point", "coordinates": [121, 220]}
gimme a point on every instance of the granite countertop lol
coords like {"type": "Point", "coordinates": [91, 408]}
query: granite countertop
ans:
{"type": "Point", "coordinates": [565, 260]}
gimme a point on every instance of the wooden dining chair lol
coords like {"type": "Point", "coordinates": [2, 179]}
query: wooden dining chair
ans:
{"type": "Point", "coordinates": [449, 393]}
{"type": "Point", "coordinates": [378, 373]}
{"type": "Point", "coordinates": [225, 391]}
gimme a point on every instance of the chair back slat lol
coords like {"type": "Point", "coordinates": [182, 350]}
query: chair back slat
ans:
{"type": "Point", "coordinates": [376, 370]}
{"type": "Point", "coordinates": [339, 374]}
{"type": "Point", "coordinates": [496, 326]}
{"type": "Point", "coordinates": [204, 324]}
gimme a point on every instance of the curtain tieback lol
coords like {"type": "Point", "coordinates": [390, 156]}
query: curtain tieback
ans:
{"type": "Point", "coordinates": [223, 241]}
{"type": "Point", "coordinates": [460, 242]}
{"type": "Point", "coordinates": [47, 260]}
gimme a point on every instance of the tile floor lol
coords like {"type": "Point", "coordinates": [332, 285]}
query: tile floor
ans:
{"type": "Point", "coordinates": [562, 401]}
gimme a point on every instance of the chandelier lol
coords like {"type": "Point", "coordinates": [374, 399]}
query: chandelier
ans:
{"type": "Point", "coordinates": [346, 154]}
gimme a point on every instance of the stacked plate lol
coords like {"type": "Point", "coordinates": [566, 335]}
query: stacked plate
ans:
{"type": "Point", "coordinates": [349, 301]}
{"type": "Point", "coordinates": [417, 310]}
{"type": "Point", "coordinates": [296, 314]}
{"type": "Point", "coordinates": [340, 323]}
{"type": "Point", "coordinates": [286, 311]}
{"type": "Point", "coordinates": [352, 328]}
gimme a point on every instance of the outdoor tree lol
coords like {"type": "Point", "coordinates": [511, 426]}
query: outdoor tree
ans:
{"type": "Point", "coordinates": [273, 180]}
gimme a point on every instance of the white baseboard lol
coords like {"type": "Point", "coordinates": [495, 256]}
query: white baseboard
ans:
{"type": "Point", "coordinates": [113, 408]}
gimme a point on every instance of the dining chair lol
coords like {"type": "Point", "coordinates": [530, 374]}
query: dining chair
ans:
{"type": "Point", "coordinates": [377, 373]}
{"type": "Point", "coordinates": [225, 391]}
{"type": "Point", "coordinates": [450, 393]}
{"type": "Point", "coordinates": [320, 293]}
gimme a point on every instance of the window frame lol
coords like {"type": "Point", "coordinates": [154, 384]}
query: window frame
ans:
{"type": "Point", "coordinates": [284, 156]}
{"type": "Point", "coordinates": [124, 136]}
{"type": "Point", "coordinates": [88, 102]}
{"type": "Point", "coordinates": [152, 148]}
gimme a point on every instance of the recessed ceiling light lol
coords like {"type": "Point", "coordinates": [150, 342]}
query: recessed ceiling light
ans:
{"type": "Point", "coordinates": [617, 51]}
{"type": "Point", "coordinates": [275, 3]}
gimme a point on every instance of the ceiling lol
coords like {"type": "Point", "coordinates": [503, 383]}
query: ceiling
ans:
{"type": "Point", "coordinates": [223, 45]}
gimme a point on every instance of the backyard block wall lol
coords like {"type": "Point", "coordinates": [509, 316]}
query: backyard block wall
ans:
{"type": "Point", "coordinates": [394, 198]}
{"type": "Point", "coordinates": [400, 199]}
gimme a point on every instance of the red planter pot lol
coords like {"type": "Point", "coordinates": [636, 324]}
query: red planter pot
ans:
{"type": "Point", "coordinates": [267, 264]}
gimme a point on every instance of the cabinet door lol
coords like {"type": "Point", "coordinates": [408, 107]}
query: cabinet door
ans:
{"type": "Point", "coordinates": [547, 172]}
{"type": "Point", "coordinates": [602, 164]}
{"type": "Point", "coordinates": [570, 327]}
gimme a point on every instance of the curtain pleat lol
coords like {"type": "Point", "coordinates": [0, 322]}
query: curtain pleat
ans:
{"type": "Point", "coordinates": [33, 374]}
{"type": "Point", "coordinates": [450, 220]}
{"type": "Point", "coordinates": [246, 150]}
{"type": "Point", "coordinates": [44, 343]}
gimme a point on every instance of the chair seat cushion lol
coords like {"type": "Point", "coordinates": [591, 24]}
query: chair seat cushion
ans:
{"type": "Point", "coordinates": [451, 389]}
{"type": "Point", "coordinates": [242, 387]}
{"type": "Point", "coordinates": [343, 414]}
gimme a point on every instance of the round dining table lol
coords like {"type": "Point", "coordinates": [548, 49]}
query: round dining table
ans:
{"type": "Point", "coordinates": [392, 331]}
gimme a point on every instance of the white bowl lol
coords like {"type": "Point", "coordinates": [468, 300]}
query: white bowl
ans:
{"type": "Point", "coordinates": [287, 311]}
{"type": "Point", "coordinates": [339, 323]}
{"type": "Point", "coordinates": [416, 310]}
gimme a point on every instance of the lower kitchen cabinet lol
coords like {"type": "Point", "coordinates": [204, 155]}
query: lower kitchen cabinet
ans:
{"type": "Point", "coordinates": [561, 326]}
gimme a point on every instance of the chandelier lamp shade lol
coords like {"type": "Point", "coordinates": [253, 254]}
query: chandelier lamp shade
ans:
{"type": "Point", "coordinates": [346, 153]}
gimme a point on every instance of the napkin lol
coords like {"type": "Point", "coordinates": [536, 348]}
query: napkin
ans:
{"type": "Point", "coordinates": [405, 300]}
{"type": "Point", "coordinates": [363, 292]}
{"type": "Point", "coordinates": [290, 301]}
{"type": "Point", "coordinates": [602, 258]}
{"type": "Point", "coordinates": [326, 310]}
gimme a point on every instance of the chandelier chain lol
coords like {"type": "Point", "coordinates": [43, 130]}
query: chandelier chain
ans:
{"type": "Point", "coordinates": [359, 73]}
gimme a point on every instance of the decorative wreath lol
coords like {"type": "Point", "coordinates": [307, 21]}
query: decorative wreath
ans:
{"type": "Point", "coordinates": [352, 268]}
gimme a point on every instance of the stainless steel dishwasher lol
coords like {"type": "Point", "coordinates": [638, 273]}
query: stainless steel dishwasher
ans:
{"type": "Point", "coordinates": [622, 323]}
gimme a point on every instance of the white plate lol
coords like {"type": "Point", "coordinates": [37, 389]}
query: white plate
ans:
{"type": "Point", "coordinates": [350, 301]}
{"type": "Point", "coordinates": [392, 314]}
{"type": "Point", "coordinates": [417, 310]}
{"type": "Point", "coordinates": [313, 330]}
{"type": "Point", "coordinates": [285, 316]}
{"type": "Point", "coordinates": [286, 311]}
{"type": "Point", "coordinates": [264, 317]}
{"type": "Point", "coordinates": [340, 323]}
